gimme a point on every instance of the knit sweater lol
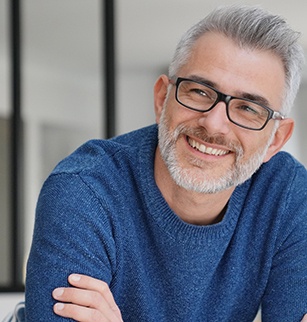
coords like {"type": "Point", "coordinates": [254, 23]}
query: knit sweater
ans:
{"type": "Point", "coordinates": [101, 213]}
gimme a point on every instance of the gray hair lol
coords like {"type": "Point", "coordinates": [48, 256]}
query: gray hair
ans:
{"type": "Point", "coordinates": [251, 27]}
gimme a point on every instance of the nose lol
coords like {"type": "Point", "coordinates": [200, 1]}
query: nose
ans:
{"type": "Point", "coordinates": [216, 120]}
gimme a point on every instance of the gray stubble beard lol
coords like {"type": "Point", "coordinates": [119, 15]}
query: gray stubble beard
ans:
{"type": "Point", "coordinates": [194, 178]}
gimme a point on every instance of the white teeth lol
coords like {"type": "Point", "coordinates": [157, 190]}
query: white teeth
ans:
{"type": "Point", "coordinates": [209, 151]}
{"type": "Point", "coordinates": [202, 148]}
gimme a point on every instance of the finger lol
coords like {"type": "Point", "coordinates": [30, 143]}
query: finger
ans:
{"type": "Point", "coordinates": [81, 297]}
{"type": "Point", "coordinates": [304, 318]}
{"type": "Point", "coordinates": [91, 283]}
{"type": "Point", "coordinates": [82, 314]}
{"type": "Point", "coordinates": [89, 303]}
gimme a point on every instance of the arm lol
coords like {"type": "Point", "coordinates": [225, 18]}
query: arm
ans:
{"type": "Point", "coordinates": [71, 235]}
{"type": "Point", "coordinates": [89, 300]}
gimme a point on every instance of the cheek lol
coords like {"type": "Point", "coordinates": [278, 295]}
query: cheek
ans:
{"type": "Point", "coordinates": [172, 116]}
{"type": "Point", "coordinates": [254, 145]}
{"type": "Point", "coordinates": [179, 115]}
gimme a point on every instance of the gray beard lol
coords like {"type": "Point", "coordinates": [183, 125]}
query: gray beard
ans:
{"type": "Point", "coordinates": [194, 179]}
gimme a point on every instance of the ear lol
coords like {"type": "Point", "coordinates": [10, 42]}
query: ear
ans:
{"type": "Point", "coordinates": [160, 92]}
{"type": "Point", "coordinates": [281, 136]}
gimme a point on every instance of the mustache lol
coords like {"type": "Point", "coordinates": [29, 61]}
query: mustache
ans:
{"type": "Point", "coordinates": [203, 135]}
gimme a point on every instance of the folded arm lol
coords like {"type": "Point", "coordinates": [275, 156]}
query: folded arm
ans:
{"type": "Point", "coordinates": [88, 300]}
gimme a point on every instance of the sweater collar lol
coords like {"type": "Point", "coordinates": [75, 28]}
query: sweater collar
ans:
{"type": "Point", "coordinates": [164, 216]}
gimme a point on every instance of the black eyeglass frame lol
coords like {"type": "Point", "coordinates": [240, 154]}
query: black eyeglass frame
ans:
{"type": "Point", "coordinates": [221, 97]}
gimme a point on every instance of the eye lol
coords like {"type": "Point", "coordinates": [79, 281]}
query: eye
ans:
{"type": "Point", "coordinates": [202, 92]}
{"type": "Point", "coordinates": [199, 91]}
{"type": "Point", "coordinates": [248, 109]}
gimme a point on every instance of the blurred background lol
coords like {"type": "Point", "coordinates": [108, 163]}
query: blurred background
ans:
{"type": "Point", "coordinates": [61, 96]}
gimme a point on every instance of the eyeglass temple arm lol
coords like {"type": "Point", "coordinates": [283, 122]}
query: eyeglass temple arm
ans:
{"type": "Point", "coordinates": [277, 116]}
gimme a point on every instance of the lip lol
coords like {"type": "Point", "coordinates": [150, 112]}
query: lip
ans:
{"type": "Point", "coordinates": [207, 149]}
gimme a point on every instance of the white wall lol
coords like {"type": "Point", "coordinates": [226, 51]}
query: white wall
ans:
{"type": "Point", "coordinates": [135, 99]}
{"type": "Point", "coordinates": [295, 145]}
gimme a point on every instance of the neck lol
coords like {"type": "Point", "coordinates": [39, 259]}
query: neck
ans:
{"type": "Point", "coordinates": [192, 207]}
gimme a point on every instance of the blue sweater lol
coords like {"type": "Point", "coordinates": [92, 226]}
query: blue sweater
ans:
{"type": "Point", "coordinates": [100, 213]}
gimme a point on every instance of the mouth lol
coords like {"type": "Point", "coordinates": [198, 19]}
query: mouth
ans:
{"type": "Point", "coordinates": [205, 149]}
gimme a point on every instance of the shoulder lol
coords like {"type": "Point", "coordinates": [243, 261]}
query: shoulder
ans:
{"type": "Point", "coordinates": [282, 171]}
{"type": "Point", "coordinates": [107, 154]}
{"type": "Point", "coordinates": [103, 170]}
{"type": "Point", "coordinates": [278, 190]}
{"type": "Point", "coordinates": [98, 177]}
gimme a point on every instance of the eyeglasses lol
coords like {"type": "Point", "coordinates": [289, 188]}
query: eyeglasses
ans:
{"type": "Point", "coordinates": [243, 112]}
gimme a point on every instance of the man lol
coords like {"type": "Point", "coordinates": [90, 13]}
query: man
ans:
{"type": "Point", "coordinates": [201, 219]}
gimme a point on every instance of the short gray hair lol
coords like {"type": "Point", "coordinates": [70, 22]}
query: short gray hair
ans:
{"type": "Point", "coordinates": [251, 27]}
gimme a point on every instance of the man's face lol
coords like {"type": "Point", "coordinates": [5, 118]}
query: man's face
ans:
{"type": "Point", "coordinates": [205, 152]}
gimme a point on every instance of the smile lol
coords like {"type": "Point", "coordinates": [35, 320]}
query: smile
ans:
{"type": "Point", "coordinates": [207, 150]}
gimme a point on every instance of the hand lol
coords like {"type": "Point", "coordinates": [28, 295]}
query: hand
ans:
{"type": "Point", "coordinates": [304, 318]}
{"type": "Point", "coordinates": [89, 300]}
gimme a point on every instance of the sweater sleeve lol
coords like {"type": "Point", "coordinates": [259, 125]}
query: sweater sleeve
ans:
{"type": "Point", "coordinates": [72, 235]}
{"type": "Point", "coordinates": [286, 293]}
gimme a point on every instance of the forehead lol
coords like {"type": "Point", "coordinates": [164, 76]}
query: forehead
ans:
{"type": "Point", "coordinates": [236, 70]}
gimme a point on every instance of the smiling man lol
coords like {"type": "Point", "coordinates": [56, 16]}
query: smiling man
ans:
{"type": "Point", "coordinates": [217, 143]}
{"type": "Point", "coordinates": [197, 218]}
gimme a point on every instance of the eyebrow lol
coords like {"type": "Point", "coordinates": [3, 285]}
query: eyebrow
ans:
{"type": "Point", "coordinates": [250, 96]}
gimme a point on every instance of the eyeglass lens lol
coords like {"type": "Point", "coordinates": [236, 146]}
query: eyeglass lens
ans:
{"type": "Point", "coordinates": [240, 111]}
